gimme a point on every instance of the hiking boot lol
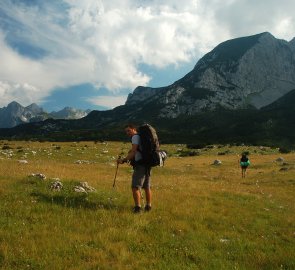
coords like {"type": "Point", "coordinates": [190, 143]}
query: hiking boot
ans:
{"type": "Point", "coordinates": [147, 208]}
{"type": "Point", "coordinates": [137, 209]}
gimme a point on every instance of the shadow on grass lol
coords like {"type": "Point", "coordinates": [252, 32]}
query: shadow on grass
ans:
{"type": "Point", "coordinates": [78, 201]}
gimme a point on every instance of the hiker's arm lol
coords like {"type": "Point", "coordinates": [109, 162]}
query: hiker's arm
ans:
{"type": "Point", "coordinates": [130, 155]}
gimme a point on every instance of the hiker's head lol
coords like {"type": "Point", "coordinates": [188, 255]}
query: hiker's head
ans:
{"type": "Point", "coordinates": [130, 130]}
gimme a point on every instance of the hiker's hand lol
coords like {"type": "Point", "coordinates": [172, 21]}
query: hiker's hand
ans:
{"type": "Point", "coordinates": [121, 160]}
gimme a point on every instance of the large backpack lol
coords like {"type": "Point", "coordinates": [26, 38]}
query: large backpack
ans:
{"type": "Point", "coordinates": [150, 151]}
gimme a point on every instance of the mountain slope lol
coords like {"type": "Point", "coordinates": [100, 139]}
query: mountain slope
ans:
{"type": "Point", "coordinates": [240, 73]}
{"type": "Point", "coordinates": [69, 113]}
{"type": "Point", "coordinates": [15, 114]}
{"type": "Point", "coordinates": [270, 125]}
{"type": "Point", "coordinates": [242, 91]}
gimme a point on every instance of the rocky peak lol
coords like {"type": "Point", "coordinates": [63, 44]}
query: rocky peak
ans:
{"type": "Point", "coordinates": [34, 108]}
{"type": "Point", "coordinates": [140, 93]}
{"type": "Point", "coordinates": [269, 69]}
{"type": "Point", "coordinates": [251, 71]}
{"type": "Point", "coordinates": [15, 114]}
{"type": "Point", "coordinates": [14, 109]}
{"type": "Point", "coordinates": [69, 113]}
{"type": "Point", "coordinates": [14, 105]}
{"type": "Point", "coordinates": [292, 44]}
{"type": "Point", "coordinates": [266, 36]}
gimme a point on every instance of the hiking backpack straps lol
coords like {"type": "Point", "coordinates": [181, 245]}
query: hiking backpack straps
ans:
{"type": "Point", "coordinates": [151, 154]}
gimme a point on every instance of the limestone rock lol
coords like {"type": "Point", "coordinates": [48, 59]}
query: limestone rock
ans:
{"type": "Point", "coordinates": [245, 72]}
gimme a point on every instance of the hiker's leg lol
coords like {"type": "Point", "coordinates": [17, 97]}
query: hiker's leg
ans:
{"type": "Point", "coordinates": [138, 178]}
{"type": "Point", "coordinates": [243, 171]}
{"type": "Point", "coordinates": [147, 186]}
{"type": "Point", "coordinates": [148, 196]}
{"type": "Point", "coordinates": [136, 196]}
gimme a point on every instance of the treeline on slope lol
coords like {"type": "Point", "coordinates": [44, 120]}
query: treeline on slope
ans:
{"type": "Point", "coordinates": [255, 127]}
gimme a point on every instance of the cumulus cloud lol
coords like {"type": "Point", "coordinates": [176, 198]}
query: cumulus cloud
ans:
{"type": "Point", "coordinates": [244, 17]}
{"type": "Point", "coordinates": [14, 92]}
{"type": "Point", "coordinates": [107, 101]}
{"type": "Point", "coordinates": [103, 42]}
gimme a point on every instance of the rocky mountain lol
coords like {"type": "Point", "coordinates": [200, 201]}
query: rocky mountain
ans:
{"type": "Point", "coordinates": [241, 91]}
{"type": "Point", "coordinates": [69, 113]}
{"type": "Point", "coordinates": [292, 44]}
{"type": "Point", "coordinates": [240, 73]}
{"type": "Point", "coordinates": [15, 114]}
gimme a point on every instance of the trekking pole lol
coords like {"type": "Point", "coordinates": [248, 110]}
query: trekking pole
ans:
{"type": "Point", "coordinates": [116, 173]}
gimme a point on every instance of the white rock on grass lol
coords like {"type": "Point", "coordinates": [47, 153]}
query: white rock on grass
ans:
{"type": "Point", "coordinates": [23, 161]}
{"type": "Point", "coordinates": [217, 162]}
{"type": "Point", "coordinates": [38, 175]}
{"type": "Point", "coordinates": [224, 240]}
{"type": "Point", "coordinates": [56, 185]}
{"type": "Point", "coordinates": [112, 164]}
{"type": "Point", "coordinates": [83, 187]}
{"type": "Point", "coordinates": [86, 186]}
{"type": "Point", "coordinates": [82, 162]}
{"type": "Point", "coordinates": [280, 159]}
{"type": "Point", "coordinates": [284, 169]}
{"type": "Point", "coordinates": [79, 189]}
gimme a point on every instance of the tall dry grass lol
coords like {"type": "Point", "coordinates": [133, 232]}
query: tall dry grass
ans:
{"type": "Point", "coordinates": [203, 216]}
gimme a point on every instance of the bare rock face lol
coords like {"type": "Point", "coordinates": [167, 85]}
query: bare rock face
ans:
{"type": "Point", "coordinates": [139, 94]}
{"type": "Point", "coordinates": [272, 79]}
{"type": "Point", "coordinates": [15, 114]}
{"type": "Point", "coordinates": [69, 113]}
{"type": "Point", "coordinates": [292, 44]}
{"type": "Point", "coordinates": [245, 72]}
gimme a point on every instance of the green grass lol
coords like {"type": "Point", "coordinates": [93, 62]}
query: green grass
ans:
{"type": "Point", "coordinates": [203, 216]}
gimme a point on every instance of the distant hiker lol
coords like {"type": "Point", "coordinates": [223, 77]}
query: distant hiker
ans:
{"type": "Point", "coordinates": [244, 163]}
{"type": "Point", "coordinates": [141, 172]}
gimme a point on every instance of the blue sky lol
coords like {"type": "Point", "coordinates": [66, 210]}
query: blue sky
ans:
{"type": "Point", "coordinates": [93, 53]}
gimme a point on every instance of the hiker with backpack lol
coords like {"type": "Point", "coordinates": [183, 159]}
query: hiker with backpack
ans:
{"type": "Point", "coordinates": [141, 172]}
{"type": "Point", "coordinates": [143, 155]}
{"type": "Point", "coordinates": [244, 163]}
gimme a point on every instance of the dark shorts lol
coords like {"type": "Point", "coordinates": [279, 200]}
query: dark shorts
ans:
{"type": "Point", "coordinates": [141, 177]}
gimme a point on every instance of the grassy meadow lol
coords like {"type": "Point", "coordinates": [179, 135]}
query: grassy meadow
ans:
{"type": "Point", "coordinates": [203, 217]}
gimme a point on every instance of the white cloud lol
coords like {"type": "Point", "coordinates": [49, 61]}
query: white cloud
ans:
{"type": "Point", "coordinates": [103, 42]}
{"type": "Point", "coordinates": [246, 17]}
{"type": "Point", "coordinates": [14, 92]}
{"type": "Point", "coordinates": [108, 101]}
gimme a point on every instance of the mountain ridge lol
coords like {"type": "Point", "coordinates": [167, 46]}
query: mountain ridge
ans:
{"type": "Point", "coordinates": [231, 95]}
{"type": "Point", "coordinates": [255, 75]}
{"type": "Point", "coordinates": [15, 114]}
